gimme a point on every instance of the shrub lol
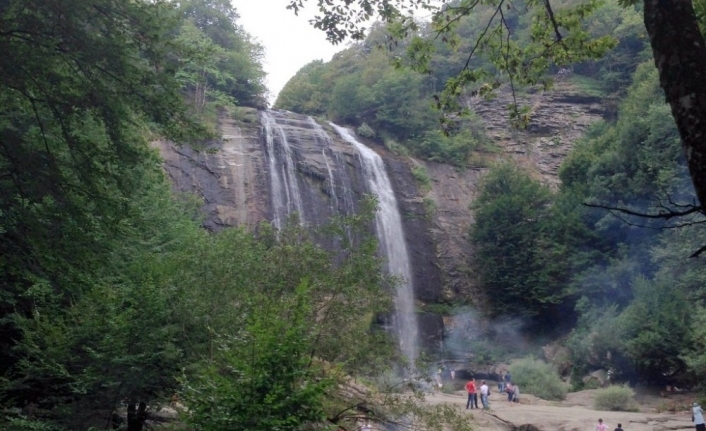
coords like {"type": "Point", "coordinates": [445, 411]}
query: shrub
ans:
{"type": "Point", "coordinates": [365, 131]}
{"type": "Point", "coordinates": [429, 207]}
{"type": "Point", "coordinates": [422, 176]}
{"type": "Point", "coordinates": [538, 378]}
{"type": "Point", "coordinates": [618, 398]}
{"type": "Point", "coordinates": [672, 406]}
{"type": "Point", "coordinates": [396, 147]}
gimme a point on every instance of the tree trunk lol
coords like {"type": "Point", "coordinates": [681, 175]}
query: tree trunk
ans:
{"type": "Point", "coordinates": [680, 56]}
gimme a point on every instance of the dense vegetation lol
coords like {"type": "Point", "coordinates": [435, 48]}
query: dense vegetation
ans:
{"type": "Point", "coordinates": [390, 85]}
{"type": "Point", "coordinates": [362, 87]}
{"type": "Point", "coordinates": [626, 280]}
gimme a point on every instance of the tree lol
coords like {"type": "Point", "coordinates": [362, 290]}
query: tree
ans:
{"type": "Point", "coordinates": [200, 66]}
{"type": "Point", "coordinates": [522, 270]}
{"type": "Point", "coordinates": [655, 327]}
{"type": "Point", "coordinates": [75, 102]}
{"type": "Point", "coordinates": [304, 93]}
{"type": "Point", "coordinates": [233, 60]}
{"type": "Point", "coordinates": [678, 49]}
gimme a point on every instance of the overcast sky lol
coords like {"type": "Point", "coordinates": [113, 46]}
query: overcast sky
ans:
{"type": "Point", "coordinates": [290, 41]}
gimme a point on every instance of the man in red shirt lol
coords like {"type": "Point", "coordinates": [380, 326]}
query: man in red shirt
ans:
{"type": "Point", "coordinates": [472, 396]}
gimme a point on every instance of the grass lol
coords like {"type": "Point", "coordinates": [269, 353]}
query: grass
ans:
{"type": "Point", "coordinates": [244, 114]}
{"type": "Point", "coordinates": [396, 148]}
{"type": "Point", "coordinates": [588, 86]}
{"type": "Point", "coordinates": [429, 207]}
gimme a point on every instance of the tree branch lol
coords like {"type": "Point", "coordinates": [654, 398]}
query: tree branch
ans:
{"type": "Point", "coordinates": [482, 35]}
{"type": "Point", "coordinates": [550, 12]}
{"type": "Point", "coordinates": [669, 214]}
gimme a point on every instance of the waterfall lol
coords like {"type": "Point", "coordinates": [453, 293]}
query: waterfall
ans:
{"type": "Point", "coordinates": [326, 139]}
{"type": "Point", "coordinates": [392, 244]}
{"type": "Point", "coordinates": [286, 197]}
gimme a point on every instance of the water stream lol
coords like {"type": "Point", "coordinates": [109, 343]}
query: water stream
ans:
{"type": "Point", "coordinates": [286, 197]}
{"type": "Point", "coordinates": [392, 244]}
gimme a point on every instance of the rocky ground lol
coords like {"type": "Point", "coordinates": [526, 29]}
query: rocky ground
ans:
{"type": "Point", "coordinates": [573, 414]}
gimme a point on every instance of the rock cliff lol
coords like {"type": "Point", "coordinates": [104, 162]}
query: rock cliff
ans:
{"type": "Point", "coordinates": [271, 164]}
{"type": "Point", "coordinates": [558, 119]}
{"type": "Point", "coordinates": [318, 174]}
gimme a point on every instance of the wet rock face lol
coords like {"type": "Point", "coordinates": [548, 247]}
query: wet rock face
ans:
{"type": "Point", "coordinates": [316, 173]}
{"type": "Point", "coordinates": [417, 227]}
{"type": "Point", "coordinates": [229, 175]}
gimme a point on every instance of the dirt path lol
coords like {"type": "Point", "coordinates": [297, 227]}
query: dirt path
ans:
{"type": "Point", "coordinates": [572, 414]}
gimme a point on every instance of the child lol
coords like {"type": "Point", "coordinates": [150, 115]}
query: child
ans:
{"type": "Point", "coordinates": [620, 427]}
{"type": "Point", "coordinates": [601, 426]}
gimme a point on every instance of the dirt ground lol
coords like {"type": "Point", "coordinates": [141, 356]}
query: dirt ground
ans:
{"type": "Point", "coordinates": [575, 413]}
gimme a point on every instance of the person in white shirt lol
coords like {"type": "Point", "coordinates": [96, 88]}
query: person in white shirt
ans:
{"type": "Point", "coordinates": [484, 392]}
{"type": "Point", "coordinates": [698, 417]}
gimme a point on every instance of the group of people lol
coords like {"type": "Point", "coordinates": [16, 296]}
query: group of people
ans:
{"type": "Point", "coordinates": [512, 391]}
{"type": "Point", "coordinates": [697, 417]}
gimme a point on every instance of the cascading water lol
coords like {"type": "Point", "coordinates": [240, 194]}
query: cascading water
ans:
{"type": "Point", "coordinates": [283, 179]}
{"type": "Point", "coordinates": [392, 243]}
{"type": "Point", "coordinates": [348, 207]}
{"type": "Point", "coordinates": [326, 139]}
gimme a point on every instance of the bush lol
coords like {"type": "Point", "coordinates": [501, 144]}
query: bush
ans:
{"type": "Point", "coordinates": [538, 378]}
{"type": "Point", "coordinates": [420, 174]}
{"type": "Point", "coordinates": [617, 398]}
{"type": "Point", "coordinates": [396, 147]}
{"type": "Point", "coordinates": [365, 131]}
{"type": "Point", "coordinates": [673, 406]}
{"type": "Point", "coordinates": [429, 207]}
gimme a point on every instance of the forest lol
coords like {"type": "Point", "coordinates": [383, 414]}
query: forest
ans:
{"type": "Point", "coordinates": [112, 293]}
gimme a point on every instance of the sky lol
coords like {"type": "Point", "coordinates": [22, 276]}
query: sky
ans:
{"type": "Point", "coordinates": [290, 41]}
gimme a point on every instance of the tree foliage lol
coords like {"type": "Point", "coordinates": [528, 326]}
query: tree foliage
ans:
{"type": "Point", "coordinates": [516, 258]}
{"type": "Point", "coordinates": [218, 58]}
{"type": "Point", "coordinates": [558, 35]}
{"type": "Point", "coordinates": [636, 291]}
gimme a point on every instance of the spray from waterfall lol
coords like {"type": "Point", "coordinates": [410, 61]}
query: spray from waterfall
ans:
{"type": "Point", "coordinates": [392, 244]}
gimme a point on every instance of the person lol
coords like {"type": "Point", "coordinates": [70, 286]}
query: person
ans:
{"type": "Point", "coordinates": [509, 390]}
{"type": "Point", "coordinates": [508, 377]}
{"type": "Point", "coordinates": [698, 417]}
{"type": "Point", "coordinates": [501, 379]}
{"type": "Point", "coordinates": [472, 395]}
{"type": "Point", "coordinates": [136, 418]}
{"type": "Point", "coordinates": [484, 392]}
{"type": "Point", "coordinates": [453, 374]}
{"type": "Point", "coordinates": [516, 394]}
{"type": "Point", "coordinates": [620, 427]}
{"type": "Point", "coordinates": [601, 426]}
